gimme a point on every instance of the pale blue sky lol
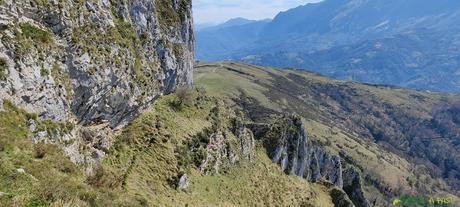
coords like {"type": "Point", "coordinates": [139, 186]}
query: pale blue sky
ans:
{"type": "Point", "coordinates": [217, 11]}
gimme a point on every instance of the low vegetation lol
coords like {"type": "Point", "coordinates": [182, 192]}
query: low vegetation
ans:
{"type": "Point", "coordinates": [167, 15]}
{"type": "Point", "coordinates": [3, 69]}
{"type": "Point", "coordinates": [33, 175]}
{"type": "Point", "coordinates": [28, 36]}
{"type": "Point", "coordinates": [36, 34]}
{"type": "Point", "coordinates": [62, 80]}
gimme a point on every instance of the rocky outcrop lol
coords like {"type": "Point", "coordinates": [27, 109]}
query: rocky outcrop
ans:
{"type": "Point", "coordinates": [184, 182]}
{"type": "Point", "coordinates": [245, 139]}
{"type": "Point", "coordinates": [229, 140]}
{"type": "Point", "coordinates": [288, 146]}
{"type": "Point", "coordinates": [297, 156]}
{"type": "Point", "coordinates": [340, 198]}
{"type": "Point", "coordinates": [353, 186]}
{"type": "Point", "coordinates": [218, 152]}
{"type": "Point", "coordinates": [96, 61]}
{"type": "Point", "coordinates": [93, 62]}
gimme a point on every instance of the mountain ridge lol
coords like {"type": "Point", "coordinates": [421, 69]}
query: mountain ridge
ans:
{"type": "Point", "coordinates": [314, 37]}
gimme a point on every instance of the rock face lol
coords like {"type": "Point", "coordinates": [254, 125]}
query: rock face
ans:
{"type": "Point", "coordinates": [95, 64]}
{"type": "Point", "coordinates": [289, 147]}
{"type": "Point", "coordinates": [227, 146]}
{"type": "Point", "coordinates": [218, 152]}
{"type": "Point", "coordinates": [353, 186]}
{"type": "Point", "coordinates": [340, 199]}
{"type": "Point", "coordinates": [245, 139]}
{"type": "Point", "coordinates": [297, 156]}
{"type": "Point", "coordinates": [94, 61]}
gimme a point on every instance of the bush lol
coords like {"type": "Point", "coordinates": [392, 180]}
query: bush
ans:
{"type": "Point", "coordinates": [3, 69]}
{"type": "Point", "coordinates": [44, 72]}
{"type": "Point", "coordinates": [36, 34]}
{"type": "Point", "coordinates": [40, 151]}
{"type": "Point", "coordinates": [185, 96]}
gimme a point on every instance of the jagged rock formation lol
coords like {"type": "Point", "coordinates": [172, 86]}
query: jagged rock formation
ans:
{"type": "Point", "coordinates": [297, 156]}
{"type": "Point", "coordinates": [353, 186]}
{"type": "Point", "coordinates": [227, 145]}
{"type": "Point", "coordinates": [93, 63]}
{"type": "Point", "coordinates": [97, 61]}
{"type": "Point", "coordinates": [288, 145]}
{"type": "Point", "coordinates": [218, 152]}
{"type": "Point", "coordinates": [340, 199]}
{"type": "Point", "coordinates": [245, 139]}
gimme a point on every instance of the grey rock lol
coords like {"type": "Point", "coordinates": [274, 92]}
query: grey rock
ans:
{"type": "Point", "coordinates": [340, 198]}
{"type": "Point", "coordinates": [297, 156]}
{"type": "Point", "coordinates": [112, 93]}
{"type": "Point", "coordinates": [32, 126]}
{"type": "Point", "coordinates": [245, 139]}
{"type": "Point", "coordinates": [353, 186]}
{"type": "Point", "coordinates": [41, 136]}
{"type": "Point", "coordinates": [90, 6]}
{"type": "Point", "coordinates": [218, 152]}
{"type": "Point", "coordinates": [184, 183]}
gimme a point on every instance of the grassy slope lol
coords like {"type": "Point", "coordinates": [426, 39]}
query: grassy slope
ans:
{"type": "Point", "coordinates": [331, 108]}
{"type": "Point", "coordinates": [246, 184]}
{"type": "Point", "coordinates": [142, 168]}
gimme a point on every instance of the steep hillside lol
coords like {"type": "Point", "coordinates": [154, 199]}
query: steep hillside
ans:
{"type": "Point", "coordinates": [189, 151]}
{"type": "Point", "coordinates": [246, 136]}
{"type": "Point", "coordinates": [400, 141]}
{"type": "Point", "coordinates": [363, 40]}
{"type": "Point", "coordinates": [93, 64]}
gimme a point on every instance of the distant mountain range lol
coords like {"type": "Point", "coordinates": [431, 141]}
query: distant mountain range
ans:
{"type": "Point", "coordinates": [407, 43]}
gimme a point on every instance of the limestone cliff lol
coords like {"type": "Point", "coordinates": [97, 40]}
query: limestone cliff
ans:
{"type": "Point", "coordinates": [93, 61]}
{"type": "Point", "coordinates": [287, 143]}
{"type": "Point", "coordinates": [95, 64]}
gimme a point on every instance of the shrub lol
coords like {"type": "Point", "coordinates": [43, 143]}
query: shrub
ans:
{"type": "Point", "coordinates": [184, 95]}
{"type": "Point", "coordinates": [3, 69]}
{"type": "Point", "coordinates": [36, 34]}
{"type": "Point", "coordinates": [44, 72]}
{"type": "Point", "coordinates": [40, 151]}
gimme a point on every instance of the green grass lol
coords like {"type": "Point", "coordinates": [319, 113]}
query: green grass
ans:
{"type": "Point", "coordinates": [50, 178]}
{"type": "Point", "coordinates": [17, 151]}
{"type": "Point", "coordinates": [28, 36]}
{"type": "Point", "coordinates": [36, 34]}
{"type": "Point", "coordinates": [167, 15]}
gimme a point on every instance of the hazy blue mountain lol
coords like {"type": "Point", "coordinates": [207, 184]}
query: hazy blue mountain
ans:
{"type": "Point", "coordinates": [408, 43]}
{"type": "Point", "coordinates": [214, 42]}
{"type": "Point", "coordinates": [202, 26]}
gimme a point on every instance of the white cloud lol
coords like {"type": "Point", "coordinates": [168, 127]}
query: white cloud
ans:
{"type": "Point", "coordinates": [216, 11]}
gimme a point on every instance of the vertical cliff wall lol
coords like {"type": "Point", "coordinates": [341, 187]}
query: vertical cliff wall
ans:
{"type": "Point", "coordinates": [95, 61]}
{"type": "Point", "coordinates": [288, 146]}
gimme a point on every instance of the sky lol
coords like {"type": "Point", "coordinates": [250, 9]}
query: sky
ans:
{"type": "Point", "coordinates": [218, 11]}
